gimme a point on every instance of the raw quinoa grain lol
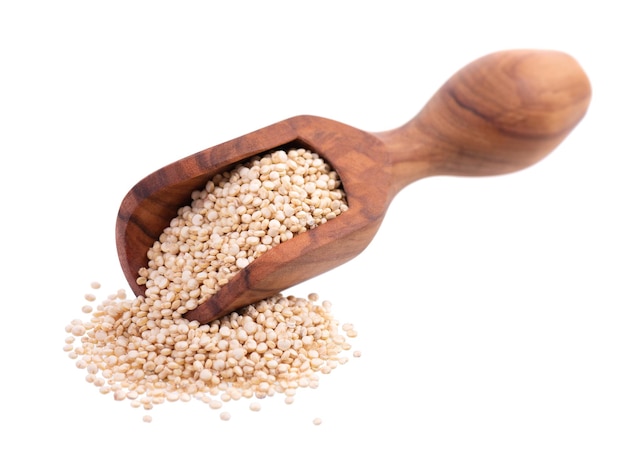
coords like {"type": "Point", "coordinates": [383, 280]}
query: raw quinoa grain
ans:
{"type": "Point", "coordinates": [143, 351]}
{"type": "Point", "coordinates": [255, 406]}
{"type": "Point", "coordinates": [90, 297]}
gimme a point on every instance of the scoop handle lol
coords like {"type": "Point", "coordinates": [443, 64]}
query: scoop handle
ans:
{"type": "Point", "coordinates": [499, 114]}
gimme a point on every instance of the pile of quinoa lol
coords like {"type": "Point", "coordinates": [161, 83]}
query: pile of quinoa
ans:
{"type": "Point", "coordinates": [144, 351]}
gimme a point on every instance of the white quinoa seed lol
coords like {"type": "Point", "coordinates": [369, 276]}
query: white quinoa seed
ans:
{"type": "Point", "coordinates": [225, 416]}
{"type": "Point", "coordinates": [215, 404]}
{"type": "Point", "coordinates": [144, 351]}
{"type": "Point", "coordinates": [255, 406]}
{"type": "Point", "coordinates": [317, 421]}
{"type": "Point", "coordinates": [147, 418]}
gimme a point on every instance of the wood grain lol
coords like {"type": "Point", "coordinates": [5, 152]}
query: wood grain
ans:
{"type": "Point", "coordinates": [501, 113]}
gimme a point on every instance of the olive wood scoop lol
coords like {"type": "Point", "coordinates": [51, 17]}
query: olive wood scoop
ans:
{"type": "Point", "coordinates": [499, 114]}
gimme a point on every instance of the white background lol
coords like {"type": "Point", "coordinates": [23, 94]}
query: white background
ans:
{"type": "Point", "coordinates": [491, 312]}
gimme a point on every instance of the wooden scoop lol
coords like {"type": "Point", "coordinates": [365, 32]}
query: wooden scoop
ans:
{"type": "Point", "coordinates": [499, 114]}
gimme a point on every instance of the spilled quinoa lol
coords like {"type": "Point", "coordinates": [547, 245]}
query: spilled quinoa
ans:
{"type": "Point", "coordinates": [144, 351]}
